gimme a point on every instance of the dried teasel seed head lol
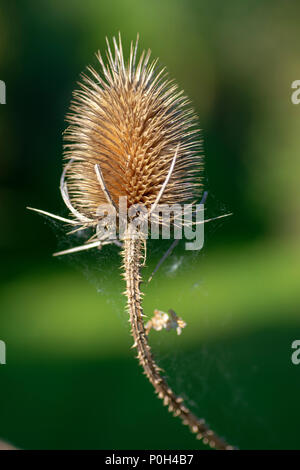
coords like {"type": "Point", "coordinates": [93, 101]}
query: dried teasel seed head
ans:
{"type": "Point", "coordinates": [130, 119]}
{"type": "Point", "coordinates": [132, 135]}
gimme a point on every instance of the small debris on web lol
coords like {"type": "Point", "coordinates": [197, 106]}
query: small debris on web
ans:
{"type": "Point", "coordinates": [165, 320]}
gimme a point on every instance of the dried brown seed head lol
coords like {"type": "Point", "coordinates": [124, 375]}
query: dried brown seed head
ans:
{"type": "Point", "coordinates": [130, 119]}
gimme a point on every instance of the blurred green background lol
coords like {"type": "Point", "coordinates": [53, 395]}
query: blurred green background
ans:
{"type": "Point", "coordinates": [71, 380]}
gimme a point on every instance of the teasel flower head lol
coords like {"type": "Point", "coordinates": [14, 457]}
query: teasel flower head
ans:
{"type": "Point", "coordinates": [132, 134]}
{"type": "Point", "coordinates": [130, 129]}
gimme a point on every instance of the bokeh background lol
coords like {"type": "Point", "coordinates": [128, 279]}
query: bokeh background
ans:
{"type": "Point", "coordinates": [71, 380]}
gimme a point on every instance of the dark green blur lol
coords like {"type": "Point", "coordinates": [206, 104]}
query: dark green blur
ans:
{"type": "Point", "coordinates": [71, 380]}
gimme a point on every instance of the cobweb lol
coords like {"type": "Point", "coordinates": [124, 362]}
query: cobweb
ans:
{"type": "Point", "coordinates": [206, 374]}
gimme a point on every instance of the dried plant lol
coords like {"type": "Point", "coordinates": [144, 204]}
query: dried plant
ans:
{"type": "Point", "coordinates": [132, 135]}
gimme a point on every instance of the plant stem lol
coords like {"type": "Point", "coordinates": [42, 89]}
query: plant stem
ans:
{"type": "Point", "coordinates": [132, 256]}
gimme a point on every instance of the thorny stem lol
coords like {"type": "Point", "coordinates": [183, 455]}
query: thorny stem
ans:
{"type": "Point", "coordinates": [132, 256]}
